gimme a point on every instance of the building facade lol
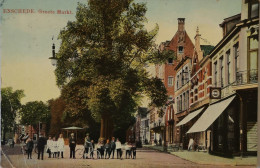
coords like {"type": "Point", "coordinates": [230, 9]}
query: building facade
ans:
{"type": "Point", "coordinates": [182, 47]}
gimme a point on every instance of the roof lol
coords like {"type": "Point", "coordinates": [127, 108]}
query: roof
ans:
{"type": "Point", "coordinates": [226, 20]}
{"type": "Point", "coordinates": [206, 49]}
{"type": "Point", "coordinates": [181, 62]}
{"type": "Point", "coordinates": [73, 128]}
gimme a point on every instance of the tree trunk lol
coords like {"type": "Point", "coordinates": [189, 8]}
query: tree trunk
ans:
{"type": "Point", "coordinates": [106, 129]}
{"type": "Point", "coordinates": [4, 133]}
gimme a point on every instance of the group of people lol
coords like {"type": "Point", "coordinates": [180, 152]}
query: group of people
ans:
{"type": "Point", "coordinates": [55, 148]}
{"type": "Point", "coordinates": [40, 146]}
{"type": "Point", "coordinates": [106, 149]}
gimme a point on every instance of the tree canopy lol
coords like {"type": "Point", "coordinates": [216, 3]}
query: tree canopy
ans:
{"type": "Point", "coordinates": [102, 60]}
{"type": "Point", "coordinates": [34, 112]}
{"type": "Point", "coordinates": [10, 105]}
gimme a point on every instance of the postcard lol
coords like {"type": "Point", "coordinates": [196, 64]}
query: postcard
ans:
{"type": "Point", "coordinates": [129, 83]}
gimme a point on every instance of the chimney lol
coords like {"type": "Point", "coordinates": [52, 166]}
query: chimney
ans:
{"type": "Point", "coordinates": [181, 23]}
{"type": "Point", "coordinates": [197, 45]}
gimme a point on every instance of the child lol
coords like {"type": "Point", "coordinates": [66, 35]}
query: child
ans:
{"type": "Point", "coordinates": [107, 148]}
{"type": "Point", "coordinates": [54, 148]}
{"type": "Point", "coordinates": [49, 146]}
{"type": "Point", "coordinates": [127, 150]}
{"type": "Point", "coordinates": [92, 147]}
{"type": "Point", "coordinates": [99, 149]}
{"type": "Point", "coordinates": [29, 144]}
{"type": "Point", "coordinates": [118, 148]}
{"type": "Point", "coordinates": [60, 146]}
{"type": "Point", "coordinates": [133, 150]}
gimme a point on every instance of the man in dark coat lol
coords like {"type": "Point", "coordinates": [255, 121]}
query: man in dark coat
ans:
{"type": "Point", "coordinates": [113, 147]}
{"type": "Point", "coordinates": [40, 145]}
{"type": "Point", "coordinates": [72, 144]}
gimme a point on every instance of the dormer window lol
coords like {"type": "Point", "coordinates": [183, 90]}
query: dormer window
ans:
{"type": "Point", "coordinates": [180, 49]}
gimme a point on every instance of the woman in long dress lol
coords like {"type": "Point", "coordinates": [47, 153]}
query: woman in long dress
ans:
{"type": "Point", "coordinates": [60, 144]}
{"type": "Point", "coordinates": [49, 146]}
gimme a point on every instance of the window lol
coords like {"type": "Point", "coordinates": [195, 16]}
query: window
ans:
{"type": "Point", "coordinates": [221, 72]}
{"type": "Point", "coordinates": [253, 9]}
{"type": "Point", "coordinates": [180, 49]}
{"type": "Point", "coordinates": [170, 60]}
{"type": "Point", "coordinates": [253, 59]}
{"type": "Point", "coordinates": [216, 73]}
{"type": "Point", "coordinates": [181, 103]}
{"type": "Point", "coordinates": [228, 66]}
{"type": "Point", "coordinates": [170, 81]}
{"type": "Point", "coordinates": [178, 105]}
{"type": "Point", "coordinates": [184, 101]}
{"type": "Point", "coordinates": [236, 55]}
{"type": "Point", "coordinates": [188, 99]}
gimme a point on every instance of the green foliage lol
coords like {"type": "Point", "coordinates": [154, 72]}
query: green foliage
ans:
{"type": "Point", "coordinates": [102, 59]}
{"type": "Point", "coordinates": [10, 105]}
{"type": "Point", "coordinates": [34, 112]}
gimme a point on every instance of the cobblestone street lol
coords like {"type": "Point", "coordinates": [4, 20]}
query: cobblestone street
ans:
{"type": "Point", "coordinates": [145, 158]}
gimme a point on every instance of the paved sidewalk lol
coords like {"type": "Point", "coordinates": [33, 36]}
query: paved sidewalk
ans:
{"type": "Point", "coordinates": [206, 158]}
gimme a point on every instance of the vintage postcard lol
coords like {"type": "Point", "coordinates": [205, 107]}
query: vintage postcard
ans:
{"type": "Point", "coordinates": [129, 83]}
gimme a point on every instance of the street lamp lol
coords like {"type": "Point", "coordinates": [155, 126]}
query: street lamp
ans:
{"type": "Point", "coordinates": [53, 58]}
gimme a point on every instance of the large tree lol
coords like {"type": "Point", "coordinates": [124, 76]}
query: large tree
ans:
{"type": "Point", "coordinates": [10, 104]}
{"type": "Point", "coordinates": [34, 112]}
{"type": "Point", "coordinates": [102, 60]}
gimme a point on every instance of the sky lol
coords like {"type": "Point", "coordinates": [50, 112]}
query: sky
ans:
{"type": "Point", "coordinates": [26, 39]}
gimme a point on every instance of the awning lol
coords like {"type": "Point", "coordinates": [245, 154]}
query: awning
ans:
{"type": "Point", "coordinates": [189, 117]}
{"type": "Point", "coordinates": [210, 115]}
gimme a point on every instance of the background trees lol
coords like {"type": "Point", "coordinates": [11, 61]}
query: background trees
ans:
{"type": "Point", "coordinates": [102, 60]}
{"type": "Point", "coordinates": [32, 113]}
{"type": "Point", "coordinates": [10, 105]}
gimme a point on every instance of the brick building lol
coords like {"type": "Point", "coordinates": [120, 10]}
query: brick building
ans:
{"type": "Point", "coordinates": [182, 47]}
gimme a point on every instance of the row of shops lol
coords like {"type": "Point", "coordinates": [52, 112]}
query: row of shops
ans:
{"type": "Point", "coordinates": [212, 89]}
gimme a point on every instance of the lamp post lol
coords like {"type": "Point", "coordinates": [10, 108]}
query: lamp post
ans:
{"type": "Point", "coordinates": [53, 58]}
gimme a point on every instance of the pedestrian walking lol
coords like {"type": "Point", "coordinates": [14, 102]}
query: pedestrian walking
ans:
{"type": "Point", "coordinates": [72, 145]}
{"type": "Point", "coordinates": [49, 146]}
{"type": "Point", "coordinates": [60, 144]}
{"type": "Point", "coordinates": [113, 147]}
{"type": "Point", "coordinates": [127, 150]}
{"type": "Point", "coordinates": [54, 147]}
{"type": "Point", "coordinates": [86, 146]}
{"type": "Point", "coordinates": [107, 148]}
{"type": "Point", "coordinates": [40, 145]}
{"type": "Point", "coordinates": [29, 144]}
{"type": "Point", "coordinates": [118, 148]}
